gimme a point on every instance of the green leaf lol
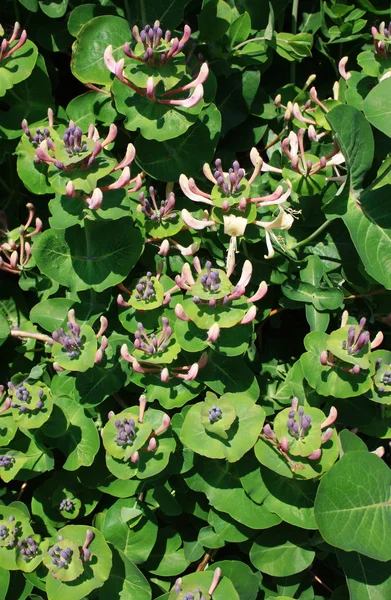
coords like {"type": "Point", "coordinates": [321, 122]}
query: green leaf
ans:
{"type": "Point", "coordinates": [292, 500]}
{"type": "Point", "coordinates": [81, 441]}
{"type": "Point", "coordinates": [242, 577]}
{"type": "Point", "coordinates": [367, 579]}
{"type": "Point", "coordinates": [156, 121]}
{"type": "Point", "coordinates": [355, 139]}
{"type": "Point", "coordinates": [51, 314]}
{"type": "Point", "coordinates": [241, 436]}
{"type": "Point", "coordinates": [294, 47]}
{"type": "Point", "coordinates": [18, 66]}
{"type": "Point", "coordinates": [91, 107]}
{"type": "Point", "coordinates": [235, 97]}
{"type": "Point", "coordinates": [321, 298]}
{"type": "Point", "coordinates": [135, 542]}
{"type": "Point", "coordinates": [4, 328]}
{"type": "Point", "coordinates": [224, 492]}
{"type": "Point", "coordinates": [282, 551]}
{"type": "Point", "coordinates": [214, 19]}
{"type": "Point", "coordinates": [353, 508]}
{"type": "Point", "coordinates": [167, 557]}
{"type": "Point", "coordinates": [54, 8]}
{"type": "Point", "coordinates": [87, 58]}
{"type": "Point", "coordinates": [225, 374]}
{"type": "Point", "coordinates": [125, 581]}
{"type": "Point", "coordinates": [99, 255]}
{"type": "Point", "coordinates": [239, 29]}
{"type": "Point", "coordinates": [166, 161]}
{"type": "Point", "coordinates": [377, 106]}
{"type": "Point", "coordinates": [369, 225]}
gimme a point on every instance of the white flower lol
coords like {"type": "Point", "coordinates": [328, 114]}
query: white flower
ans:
{"type": "Point", "coordinates": [282, 222]}
{"type": "Point", "coordinates": [233, 226]}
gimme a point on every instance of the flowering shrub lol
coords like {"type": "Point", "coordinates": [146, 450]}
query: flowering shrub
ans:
{"type": "Point", "coordinates": [195, 242]}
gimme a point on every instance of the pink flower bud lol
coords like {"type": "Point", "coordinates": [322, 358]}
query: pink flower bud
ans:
{"type": "Point", "coordinates": [164, 426]}
{"type": "Point", "coordinates": [134, 458]}
{"type": "Point", "coordinates": [216, 578]}
{"type": "Point", "coordinates": [121, 301]}
{"type": "Point", "coordinates": [315, 455]}
{"type": "Point", "coordinates": [192, 373]}
{"type": "Point", "coordinates": [249, 316]}
{"type": "Point", "coordinates": [180, 313]}
{"type": "Point", "coordinates": [96, 199]}
{"type": "Point", "coordinates": [328, 434]}
{"type": "Point", "coordinates": [152, 445]}
{"type": "Point", "coordinates": [324, 358]}
{"type": "Point", "coordinates": [379, 451]}
{"type": "Point", "coordinates": [333, 414]}
{"type": "Point", "coordinates": [213, 333]}
{"type": "Point", "coordinates": [165, 375]}
{"type": "Point", "coordinates": [268, 431]}
{"type": "Point", "coordinates": [164, 248]}
{"type": "Point", "coordinates": [142, 406]}
{"type": "Point", "coordinates": [284, 444]}
{"type": "Point", "coordinates": [379, 337]}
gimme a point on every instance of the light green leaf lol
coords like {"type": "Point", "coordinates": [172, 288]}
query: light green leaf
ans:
{"type": "Point", "coordinates": [353, 507]}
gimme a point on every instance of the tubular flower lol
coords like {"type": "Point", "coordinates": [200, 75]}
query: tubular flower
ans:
{"type": "Point", "coordinates": [155, 47]}
{"type": "Point", "coordinates": [381, 40]}
{"type": "Point", "coordinates": [282, 222]}
{"type": "Point", "coordinates": [164, 372]}
{"type": "Point", "coordinates": [18, 36]}
{"type": "Point", "coordinates": [152, 211]}
{"type": "Point", "coordinates": [151, 46]}
{"type": "Point", "coordinates": [15, 250]}
{"type": "Point", "coordinates": [231, 190]}
{"type": "Point", "coordinates": [211, 288]}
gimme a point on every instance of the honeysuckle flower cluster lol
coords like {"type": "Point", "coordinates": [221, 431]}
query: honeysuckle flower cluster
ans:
{"type": "Point", "coordinates": [8, 47]}
{"type": "Point", "coordinates": [293, 147]}
{"type": "Point", "coordinates": [68, 505]}
{"type": "Point", "coordinates": [232, 190]}
{"type": "Point", "coordinates": [21, 399]}
{"type": "Point", "coordinates": [215, 414]}
{"type": "Point", "coordinates": [155, 47]}
{"type": "Point", "coordinates": [298, 422]}
{"type": "Point", "coordinates": [385, 376]}
{"type": "Point", "coordinates": [381, 39]}
{"type": "Point", "coordinates": [70, 340]}
{"type": "Point", "coordinates": [356, 341]}
{"type": "Point", "coordinates": [151, 210]}
{"type": "Point", "coordinates": [154, 51]}
{"type": "Point", "coordinates": [6, 462]}
{"type": "Point", "coordinates": [61, 557]}
{"type": "Point", "coordinates": [76, 151]}
{"type": "Point", "coordinates": [8, 532]}
{"type": "Point", "coordinates": [15, 251]}
{"type": "Point", "coordinates": [155, 345]}
{"type": "Point", "coordinates": [126, 432]}
{"type": "Point", "coordinates": [148, 293]}
{"type": "Point", "coordinates": [299, 427]}
{"type": "Point", "coordinates": [210, 281]}
{"type": "Point", "coordinates": [28, 548]}
{"type": "Point", "coordinates": [95, 199]}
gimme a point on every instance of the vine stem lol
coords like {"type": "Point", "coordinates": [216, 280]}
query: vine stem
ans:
{"type": "Point", "coordinates": [206, 558]}
{"type": "Point", "coordinates": [143, 12]}
{"type": "Point", "coordinates": [30, 335]}
{"type": "Point", "coordinates": [295, 10]}
{"type": "Point", "coordinates": [353, 296]}
{"type": "Point", "coordinates": [310, 237]}
{"type": "Point", "coordinates": [257, 39]}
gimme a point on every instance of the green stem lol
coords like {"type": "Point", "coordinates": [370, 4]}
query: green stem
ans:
{"type": "Point", "coordinates": [143, 12]}
{"type": "Point", "coordinates": [311, 237]}
{"type": "Point", "coordinates": [295, 9]}
{"type": "Point", "coordinates": [257, 39]}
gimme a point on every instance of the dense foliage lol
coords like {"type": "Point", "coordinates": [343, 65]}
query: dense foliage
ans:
{"type": "Point", "coordinates": [195, 269]}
